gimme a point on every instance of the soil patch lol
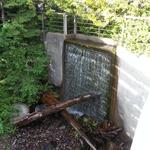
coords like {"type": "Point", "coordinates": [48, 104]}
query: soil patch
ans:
{"type": "Point", "coordinates": [52, 133]}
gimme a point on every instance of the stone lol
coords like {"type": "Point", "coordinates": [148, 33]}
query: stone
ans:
{"type": "Point", "coordinates": [21, 111]}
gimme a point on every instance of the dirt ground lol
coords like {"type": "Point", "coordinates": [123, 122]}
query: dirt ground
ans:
{"type": "Point", "coordinates": [50, 133]}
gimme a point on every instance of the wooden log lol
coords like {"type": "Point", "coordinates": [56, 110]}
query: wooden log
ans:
{"type": "Point", "coordinates": [50, 100]}
{"type": "Point", "coordinates": [51, 109]}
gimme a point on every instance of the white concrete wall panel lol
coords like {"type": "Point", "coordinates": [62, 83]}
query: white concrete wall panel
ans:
{"type": "Point", "coordinates": [133, 87]}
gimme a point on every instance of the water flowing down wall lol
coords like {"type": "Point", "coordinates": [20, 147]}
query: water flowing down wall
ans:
{"type": "Point", "coordinates": [89, 67]}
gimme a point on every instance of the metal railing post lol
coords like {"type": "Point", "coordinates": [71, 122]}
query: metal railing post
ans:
{"type": "Point", "coordinates": [65, 23]}
{"type": "Point", "coordinates": [99, 32]}
{"type": "Point", "coordinates": [75, 25]}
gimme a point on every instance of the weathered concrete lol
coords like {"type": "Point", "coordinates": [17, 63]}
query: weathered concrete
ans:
{"type": "Point", "coordinates": [133, 76]}
{"type": "Point", "coordinates": [93, 39]}
{"type": "Point", "coordinates": [133, 87]}
{"type": "Point", "coordinates": [54, 45]}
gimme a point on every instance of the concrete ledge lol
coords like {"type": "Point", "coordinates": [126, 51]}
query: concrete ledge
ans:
{"type": "Point", "coordinates": [95, 39]}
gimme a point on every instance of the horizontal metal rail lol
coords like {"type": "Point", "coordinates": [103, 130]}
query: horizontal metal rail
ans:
{"type": "Point", "coordinates": [138, 18]}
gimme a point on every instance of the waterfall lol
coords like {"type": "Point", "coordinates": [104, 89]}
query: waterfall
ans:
{"type": "Point", "coordinates": [88, 69]}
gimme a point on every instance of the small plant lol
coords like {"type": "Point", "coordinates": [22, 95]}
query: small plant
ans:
{"type": "Point", "coordinates": [76, 135]}
{"type": "Point", "coordinates": [88, 123]}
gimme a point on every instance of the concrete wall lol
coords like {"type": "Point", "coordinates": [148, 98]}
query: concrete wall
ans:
{"type": "Point", "coordinates": [133, 77]}
{"type": "Point", "coordinates": [133, 87]}
{"type": "Point", "coordinates": [54, 44]}
{"type": "Point", "coordinates": [142, 136]}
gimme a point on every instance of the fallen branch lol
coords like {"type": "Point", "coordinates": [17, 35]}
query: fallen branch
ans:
{"type": "Point", "coordinates": [51, 109]}
{"type": "Point", "coordinates": [50, 100]}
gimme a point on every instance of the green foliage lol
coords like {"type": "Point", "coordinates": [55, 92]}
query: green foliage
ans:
{"type": "Point", "coordinates": [88, 123]}
{"type": "Point", "coordinates": [23, 60]}
{"type": "Point", "coordinates": [136, 35]}
{"type": "Point", "coordinates": [106, 18]}
{"type": "Point", "coordinates": [5, 117]}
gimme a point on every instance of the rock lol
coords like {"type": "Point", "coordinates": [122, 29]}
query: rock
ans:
{"type": "Point", "coordinates": [21, 111]}
{"type": "Point", "coordinates": [40, 107]}
{"type": "Point", "coordinates": [62, 127]}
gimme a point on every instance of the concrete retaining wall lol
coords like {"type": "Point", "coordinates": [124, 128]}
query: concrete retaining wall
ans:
{"type": "Point", "coordinates": [133, 78]}
{"type": "Point", "coordinates": [142, 136]}
{"type": "Point", "coordinates": [133, 87]}
{"type": "Point", "coordinates": [54, 44]}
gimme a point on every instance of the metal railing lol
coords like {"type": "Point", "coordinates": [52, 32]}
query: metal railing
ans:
{"type": "Point", "coordinates": [70, 24]}
{"type": "Point", "coordinates": [87, 27]}
{"type": "Point", "coordinates": [55, 23]}
{"type": "Point", "coordinates": [60, 22]}
{"type": "Point", "coordinates": [135, 30]}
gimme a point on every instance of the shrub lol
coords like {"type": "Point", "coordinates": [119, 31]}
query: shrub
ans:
{"type": "Point", "coordinates": [23, 60]}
